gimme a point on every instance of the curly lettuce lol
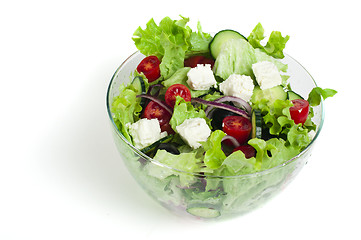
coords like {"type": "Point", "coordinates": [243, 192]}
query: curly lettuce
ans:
{"type": "Point", "coordinates": [171, 41]}
{"type": "Point", "coordinates": [275, 45]}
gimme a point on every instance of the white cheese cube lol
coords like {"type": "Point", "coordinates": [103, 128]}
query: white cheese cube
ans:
{"type": "Point", "coordinates": [238, 86]}
{"type": "Point", "coordinates": [145, 132]}
{"type": "Point", "coordinates": [193, 131]}
{"type": "Point", "coordinates": [201, 77]}
{"type": "Point", "coordinates": [267, 74]}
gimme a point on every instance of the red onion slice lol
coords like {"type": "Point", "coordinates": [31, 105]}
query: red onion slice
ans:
{"type": "Point", "coordinates": [230, 108]}
{"type": "Point", "coordinates": [151, 87]}
{"type": "Point", "coordinates": [238, 100]}
{"type": "Point", "coordinates": [232, 139]}
{"type": "Point", "coordinates": [162, 104]}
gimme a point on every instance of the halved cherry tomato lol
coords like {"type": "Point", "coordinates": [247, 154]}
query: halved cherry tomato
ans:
{"type": "Point", "coordinates": [238, 127]}
{"type": "Point", "coordinates": [193, 61]}
{"type": "Point", "coordinates": [150, 67]}
{"type": "Point", "coordinates": [299, 111]}
{"type": "Point", "coordinates": [177, 90]}
{"type": "Point", "coordinates": [248, 150]}
{"type": "Point", "coordinates": [154, 110]}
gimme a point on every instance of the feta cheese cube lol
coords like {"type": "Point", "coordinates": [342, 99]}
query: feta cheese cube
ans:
{"type": "Point", "coordinates": [145, 132]}
{"type": "Point", "coordinates": [238, 86]}
{"type": "Point", "coordinates": [193, 131]}
{"type": "Point", "coordinates": [267, 74]}
{"type": "Point", "coordinates": [201, 77]}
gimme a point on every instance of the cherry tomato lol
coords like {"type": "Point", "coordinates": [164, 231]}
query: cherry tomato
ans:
{"type": "Point", "coordinates": [150, 67]}
{"type": "Point", "coordinates": [177, 90]}
{"type": "Point", "coordinates": [154, 110]}
{"type": "Point", "coordinates": [248, 150]}
{"type": "Point", "coordinates": [238, 127]}
{"type": "Point", "coordinates": [193, 61]}
{"type": "Point", "coordinates": [299, 111]}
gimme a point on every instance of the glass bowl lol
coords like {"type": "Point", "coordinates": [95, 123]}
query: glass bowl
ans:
{"type": "Point", "coordinates": [241, 193]}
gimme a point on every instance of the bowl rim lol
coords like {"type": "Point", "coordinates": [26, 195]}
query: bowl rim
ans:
{"type": "Point", "coordinates": [199, 175]}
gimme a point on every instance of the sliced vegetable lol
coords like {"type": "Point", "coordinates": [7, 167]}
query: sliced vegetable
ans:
{"type": "Point", "coordinates": [270, 94]}
{"type": "Point", "coordinates": [230, 139]}
{"type": "Point", "coordinates": [238, 127]}
{"type": "Point", "coordinates": [177, 90]}
{"type": "Point", "coordinates": [151, 148]}
{"type": "Point", "coordinates": [299, 111]}
{"type": "Point", "coordinates": [149, 66]}
{"type": "Point", "coordinates": [154, 110]}
{"type": "Point", "coordinates": [222, 106]}
{"type": "Point", "coordinates": [139, 85]}
{"type": "Point", "coordinates": [256, 124]}
{"type": "Point", "coordinates": [204, 212]}
{"type": "Point", "coordinates": [169, 147]}
{"type": "Point", "coordinates": [291, 95]}
{"type": "Point", "coordinates": [161, 103]}
{"type": "Point", "coordinates": [217, 116]}
{"type": "Point", "coordinates": [220, 38]}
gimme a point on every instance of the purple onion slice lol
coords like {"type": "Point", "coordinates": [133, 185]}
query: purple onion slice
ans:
{"type": "Point", "coordinates": [232, 139]}
{"type": "Point", "coordinates": [230, 108]}
{"type": "Point", "coordinates": [162, 104]}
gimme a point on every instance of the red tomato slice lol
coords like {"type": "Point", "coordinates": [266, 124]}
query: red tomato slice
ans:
{"type": "Point", "coordinates": [238, 127]}
{"type": "Point", "coordinates": [248, 150]}
{"type": "Point", "coordinates": [193, 61]}
{"type": "Point", "coordinates": [177, 90]}
{"type": "Point", "coordinates": [150, 67]}
{"type": "Point", "coordinates": [299, 111]}
{"type": "Point", "coordinates": [154, 110]}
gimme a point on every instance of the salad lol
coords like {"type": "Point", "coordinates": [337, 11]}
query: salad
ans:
{"type": "Point", "coordinates": [211, 106]}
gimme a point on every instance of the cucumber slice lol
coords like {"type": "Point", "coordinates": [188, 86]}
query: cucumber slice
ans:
{"type": "Point", "coordinates": [139, 85]}
{"type": "Point", "coordinates": [270, 94]}
{"type": "Point", "coordinates": [256, 124]}
{"type": "Point", "coordinates": [151, 148]}
{"type": "Point", "coordinates": [204, 212]}
{"type": "Point", "coordinates": [291, 95]}
{"type": "Point", "coordinates": [220, 38]}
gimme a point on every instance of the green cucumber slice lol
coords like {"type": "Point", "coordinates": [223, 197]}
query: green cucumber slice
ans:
{"type": "Point", "coordinates": [139, 85]}
{"type": "Point", "coordinates": [291, 95]}
{"type": "Point", "coordinates": [204, 212]}
{"type": "Point", "coordinates": [270, 94]}
{"type": "Point", "coordinates": [256, 124]}
{"type": "Point", "coordinates": [151, 148]}
{"type": "Point", "coordinates": [220, 38]}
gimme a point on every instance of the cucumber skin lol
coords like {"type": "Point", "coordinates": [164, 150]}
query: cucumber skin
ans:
{"type": "Point", "coordinates": [291, 95]}
{"type": "Point", "coordinates": [216, 44]}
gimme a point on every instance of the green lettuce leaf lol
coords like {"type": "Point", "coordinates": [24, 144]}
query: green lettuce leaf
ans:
{"type": "Point", "coordinates": [126, 108]}
{"type": "Point", "coordinates": [214, 155]}
{"type": "Point", "coordinates": [170, 41]}
{"type": "Point", "coordinates": [187, 162]}
{"type": "Point", "coordinates": [184, 110]}
{"type": "Point", "coordinates": [235, 57]}
{"type": "Point", "coordinates": [275, 45]}
{"type": "Point", "coordinates": [314, 97]}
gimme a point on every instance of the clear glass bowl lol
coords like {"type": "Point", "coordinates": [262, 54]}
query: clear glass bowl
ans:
{"type": "Point", "coordinates": [246, 192]}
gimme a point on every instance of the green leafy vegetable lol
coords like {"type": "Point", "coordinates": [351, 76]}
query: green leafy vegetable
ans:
{"type": "Point", "coordinates": [275, 45]}
{"type": "Point", "coordinates": [235, 57]}
{"type": "Point", "coordinates": [126, 108]}
{"type": "Point", "coordinates": [314, 97]}
{"type": "Point", "coordinates": [214, 155]}
{"type": "Point", "coordinates": [171, 41]}
{"type": "Point", "coordinates": [184, 110]}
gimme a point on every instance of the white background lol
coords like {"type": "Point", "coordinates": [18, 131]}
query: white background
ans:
{"type": "Point", "coordinates": [60, 173]}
